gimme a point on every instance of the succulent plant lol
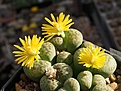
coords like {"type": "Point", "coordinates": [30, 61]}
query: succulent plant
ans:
{"type": "Point", "coordinates": [108, 88]}
{"type": "Point", "coordinates": [71, 84]}
{"type": "Point", "coordinates": [62, 89]}
{"type": "Point", "coordinates": [86, 43]}
{"type": "Point", "coordinates": [73, 39]}
{"type": "Point", "coordinates": [64, 71]}
{"type": "Point", "coordinates": [47, 84]}
{"type": "Point", "coordinates": [47, 52]}
{"type": "Point", "coordinates": [76, 57]}
{"type": "Point", "coordinates": [77, 67]}
{"type": "Point", "coordinates": [109, 67]}
{"type": "Point", "coordinates": [98, 79]}
{"type": "Point", "coordinates": [58, 42]}
{"type": "Point", "coordinates": [38, 70]}
{"type": "Point", "coordinates": [85, 80]}
{"type": "Point", "coordinates": [100, 87]}
{"type": "Point", "coordinates": [65, 57]}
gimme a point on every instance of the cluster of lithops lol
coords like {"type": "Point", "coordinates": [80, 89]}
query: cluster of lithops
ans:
{"type": "Point", "coordinates": [63, 61]}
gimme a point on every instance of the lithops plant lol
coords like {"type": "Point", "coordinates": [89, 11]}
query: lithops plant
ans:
{"type": "Point", "coordinates": [65, 57]}
{"type": "Point", "coordinates": [98, 79]}
{"type": "Point", "coordinates": [47, 84]}
{"type": "Point", "coordinates": [37, 55]}
{"type": "Point", "coordinates": [38, 70]}
{"type": "Point", "coordinates": [77, 67]}
{"type": "Point", "coordinates": [58, 42]}
{"type": "Point", "coordinates": [73, 39]}
{"type": "Point", "coordinates": [71, 84]}
{"type": "Point", "coordinates": [62, 89]}
{"type": "Point", "coordinates": [95, 59]}
{"type": "Point", "coordinates": [64, 71]}
{"type": "Point", "coordinates": [47, 52]}
{"type": "Point", "coordinates": [86, 44]}
{"type": "Point", "coordinates": [85, 80]}
{"type": "Point", "coordinates": [109, 67]}
{"type": "Point", "coordinates": [108, 88]}
{"type": "Point", "coordinates": [92, 57]}
{"type": "Point", "coordinates": [100, 87]}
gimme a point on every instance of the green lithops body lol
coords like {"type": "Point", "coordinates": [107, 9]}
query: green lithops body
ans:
{"type": "Point", "coordinates": [47, 52]}
{"type": "Point", "coordinates": [109, 67]}
{"type": "Point", "coordinates": [108, 88]}
{"type": "Point", "coordinates": [62, 89]}
{"type": "Point", "coordinates": [64, 71]}
{"type": "Point", "coordinates": [85, 80]}
{"type": "Point", "coordinates": [47, 84]}
{"type": "Point", "coordinates": [77, 67]}
{"type": "Point", "coordinates": [38, 70]}
{"type": "Point", "coordinates": [98, 79]}
{"type": "Point", "coordinates": [65, 57]}
{"type": "Point", "coordinates": [72, 84]}
{"type": "Point", "coordinates": [100, 87]}
{"type": "Point", "coordinates": [73, 39]}
{"type": "Point", "coordinates": [58, 42]}
{"type": "Point", "coordinates": [87, 44]}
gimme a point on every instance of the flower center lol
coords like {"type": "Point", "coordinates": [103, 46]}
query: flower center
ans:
{"type": "Point", "coordinates": [56, 25]}
{"type": "Point", "coordinates": [30, 51]}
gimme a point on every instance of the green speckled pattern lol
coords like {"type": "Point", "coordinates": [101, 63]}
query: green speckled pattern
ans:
{"type": "Point", "coordinates": [98, 79]}
{"type": "Point", "coordinates": [62, 89]}
{"type": "Point", "coordinates": [77, 67]}
{"type": "Point", "coordinates": [65, 57]}
{"type": "Point", "coordinates": [38, 70]}
{"type": "Point", "coordinates": [58, 42]}
{"type": "Point", "coordinates": [73, 39]}
{"type": "Point", "coordinates": [72, 84]}
{"type": "Point", "coordinates": [100, 87]}
{"type": "Point", "coordinates": [47, 84]}
{"type": "Point", "coordinates": [85, 80]}
{"type": "Point", "coordinates": [47, 52]}
{"type": "Point", "coordinates": [64, 71]}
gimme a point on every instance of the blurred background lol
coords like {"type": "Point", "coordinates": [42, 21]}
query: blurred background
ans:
{"type": "Point", "coordinates": [19, 18]}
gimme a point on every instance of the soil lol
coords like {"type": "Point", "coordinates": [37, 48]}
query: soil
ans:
{"type": "Point", "coordinates": [25, 84]}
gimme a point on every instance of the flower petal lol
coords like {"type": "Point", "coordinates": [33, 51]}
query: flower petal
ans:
{"type": "Point", "coordinates": [57, 26]}
{"type": "Point", "coordinates": [29, 52]}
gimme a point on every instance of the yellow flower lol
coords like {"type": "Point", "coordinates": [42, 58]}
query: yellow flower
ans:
{"type": "Point", "coordinates": [57, 27]}
{"type": "Point", "coordinates": [29, 51]}
{"type": "Point", "coordinates": [92, 57]}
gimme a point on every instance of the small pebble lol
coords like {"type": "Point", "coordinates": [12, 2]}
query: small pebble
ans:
{"type": "Point", "coordinates": [17, 87]}
{"type": "Point", "coordinates": [112, 78]}
{"type": "Point", "coordinates": [113, 85]}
